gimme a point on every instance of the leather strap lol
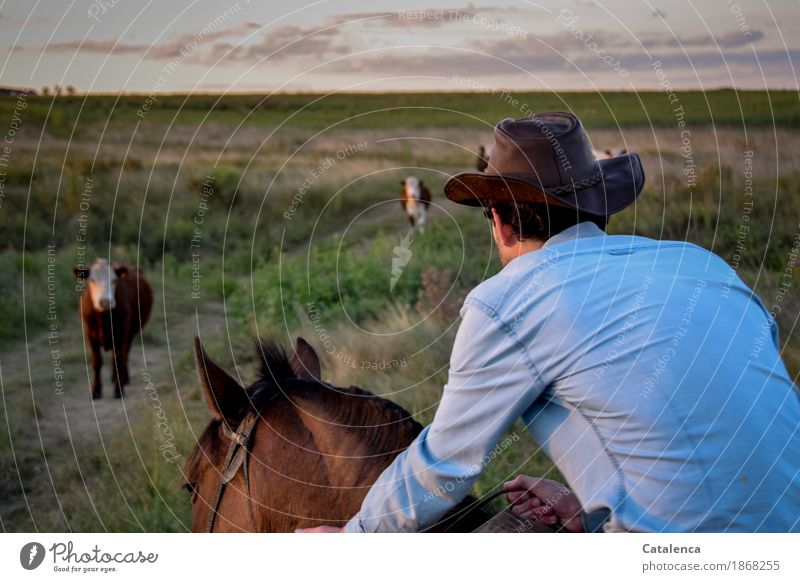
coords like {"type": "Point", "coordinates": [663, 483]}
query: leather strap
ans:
{"type": "Point", "coordinates": [235, 459]}
{"type": "Point", "coordinates": [577, 185]}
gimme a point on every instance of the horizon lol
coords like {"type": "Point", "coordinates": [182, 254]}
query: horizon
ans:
{"type": "Point", "coordinates": [37, 92]}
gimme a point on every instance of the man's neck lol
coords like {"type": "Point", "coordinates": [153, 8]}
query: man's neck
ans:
{"type": "Point", "coordinates": [581, 230]}
{"type": "Point", "coordinates": [521, 248]}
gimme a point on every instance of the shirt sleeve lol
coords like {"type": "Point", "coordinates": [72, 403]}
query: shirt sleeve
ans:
{"type": "Point", "coordinates": [491, 383]}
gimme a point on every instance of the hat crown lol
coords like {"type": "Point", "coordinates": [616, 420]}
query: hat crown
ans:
{"type": "Point", "coordinates": [551, 146]}
{"type": "Point", "coordinates": [547, 159]}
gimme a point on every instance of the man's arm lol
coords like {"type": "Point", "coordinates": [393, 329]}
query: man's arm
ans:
{"type": "Point", "coordinates": [491, 383]}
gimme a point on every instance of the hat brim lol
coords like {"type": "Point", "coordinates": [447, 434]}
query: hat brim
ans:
{"type": "Point", "coordinates": [623, 180]}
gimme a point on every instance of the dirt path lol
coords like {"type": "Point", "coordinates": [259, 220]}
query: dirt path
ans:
{"type": "Point", "coordinates": [61, 449]}
{"type": "Point", "coordinates": [56, 436]}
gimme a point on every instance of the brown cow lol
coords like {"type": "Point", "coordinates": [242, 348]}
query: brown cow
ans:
{"type": "Point", "coordinates": [482, 161]}
{"type": "Point", "coordinates": [114, 306]}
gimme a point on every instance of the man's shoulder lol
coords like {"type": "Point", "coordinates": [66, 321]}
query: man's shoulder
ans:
{"type": "Point", "coordinates": [554, 267]}
{"type": "Point", "coordinates": [519, 274]}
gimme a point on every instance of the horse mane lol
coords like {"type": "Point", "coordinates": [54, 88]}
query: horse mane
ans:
{"type": "Point", "coordinates": [276, 379]}
{"type": "Point", "coordinates": [276, 376]}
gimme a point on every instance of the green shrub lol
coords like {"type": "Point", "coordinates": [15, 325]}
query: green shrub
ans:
{"type": "Point", "coordinates": [352, 278]}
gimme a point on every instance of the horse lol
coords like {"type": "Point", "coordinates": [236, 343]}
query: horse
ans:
{"type": "Point", "coordinates": [291, 451]}
{"type": "Point", "coordinates": [415, 198]}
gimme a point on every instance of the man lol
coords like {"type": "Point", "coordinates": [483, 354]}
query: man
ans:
{"type": "Point", "coordinates": [646, 370]}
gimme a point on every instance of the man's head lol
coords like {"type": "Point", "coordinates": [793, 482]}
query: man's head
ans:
{"type": "Point", "coordinates": [522, 227]}
{"type": "Point", "coordinates": [542, 178]}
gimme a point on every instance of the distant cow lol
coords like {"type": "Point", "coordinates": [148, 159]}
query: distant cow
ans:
{"type": "Point", "coordinates": [482, 161]}
{"type": "Point", "coordinates": [609, 153]}
{"type": "Point", "coordinates": [415, 198]}
{"type": "Point", "coordinates": [115, 305]}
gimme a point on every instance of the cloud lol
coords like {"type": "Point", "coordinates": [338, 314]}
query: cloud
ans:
{"type": "Point", "coordinates": [175, 47]}
{"type": "Point", "coordinates": [494, 56]}
{"type": "Point", "coordinates": [426, 17]}
{"type": "Point", "coordinates": [90, 46]}
{"type": "Point", "coordinates": [726, 40]}
{"type": "Point", "coordinates": [285, 42]}
{"type": "Point", "coordinates": [250, 43]}
{"type": "Point", "coordinates": [513, 57]}
{"type": "Point", "coordinates": [209, 45]}
{"type": "Point", "coordinates": [178, 46]}
{"type": "Point", "coordinates": [329, 39]}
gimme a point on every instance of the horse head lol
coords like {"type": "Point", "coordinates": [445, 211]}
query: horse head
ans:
{"type": "Point", "coordinates": [289, 450]}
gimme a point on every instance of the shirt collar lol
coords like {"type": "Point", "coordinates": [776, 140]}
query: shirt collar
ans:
{"type": "Point", "coordinates": [574, 232]}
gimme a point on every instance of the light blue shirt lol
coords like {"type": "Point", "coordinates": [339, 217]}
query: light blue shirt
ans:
{"type": "Point", "coordinates": [646, 370]}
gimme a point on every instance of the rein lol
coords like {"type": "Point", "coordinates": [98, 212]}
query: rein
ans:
{"type": "Point", "coordinates": [235, 459]}
{"type": "Point", "coordinates": [477, 505]}
{"type": "Point", "coordinates": [481, 504]}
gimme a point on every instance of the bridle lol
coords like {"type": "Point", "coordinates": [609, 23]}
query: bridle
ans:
{"type": "Point", "coordinates": [236, 457]}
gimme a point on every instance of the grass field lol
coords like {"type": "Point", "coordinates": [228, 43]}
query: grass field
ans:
{"type": "Point", "coordinates": [276, 216]}
{"type": "Point", "coordinates": [482, 107]}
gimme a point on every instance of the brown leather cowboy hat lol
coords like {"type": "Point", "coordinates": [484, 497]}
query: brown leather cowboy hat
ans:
{"type": "Point", "coordinates": [548, 158]}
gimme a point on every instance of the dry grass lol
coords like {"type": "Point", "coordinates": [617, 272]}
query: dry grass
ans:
{"type": "Point", "coordinates": [157, 191]}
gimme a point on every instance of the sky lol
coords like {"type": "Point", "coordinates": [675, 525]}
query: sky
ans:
{"type": "Point", "coordinates": [217, 46]}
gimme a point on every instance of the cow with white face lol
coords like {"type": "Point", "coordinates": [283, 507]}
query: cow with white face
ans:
{"type": "Point", "coordinates": [114, 305]}
{"type": "Point", "coordinates": [609, 153]}
{"type": "Point", "coordinates": [102, 283]}
{"type": "Point", "coordinates": [415, 198]}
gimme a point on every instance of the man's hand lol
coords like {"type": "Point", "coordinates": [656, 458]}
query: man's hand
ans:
{"type": "Point", "coordinates": [320, 529]}
{"type": "Point", "coordinates": [545, 501]}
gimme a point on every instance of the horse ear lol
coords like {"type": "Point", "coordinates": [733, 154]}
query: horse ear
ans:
{"type": "Point", "coordinates": [81, 273]}
{"type": "Point", "coordinates": [305, 361]}
{"type": "Point", "coordinates": [224, 396]}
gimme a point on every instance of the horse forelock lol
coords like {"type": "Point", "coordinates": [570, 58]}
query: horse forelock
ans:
{"type": "Point", "coordinates": [275, 365]}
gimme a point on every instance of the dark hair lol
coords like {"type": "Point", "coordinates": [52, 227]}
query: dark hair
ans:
{"type": "Point", "coordinates": [542, 221]}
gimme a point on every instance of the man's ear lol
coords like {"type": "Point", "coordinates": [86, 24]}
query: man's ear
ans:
{"type": "Point", "coordinates": [81, 273]}
{"type": "Point", "coordinates": [224, 397]}
{"type": "Point", "coordinates": [121, 270]}
{"type": "Point", "coordinates": [305, 361]}
{"type": "Point", "coordinates": [504, 231]}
